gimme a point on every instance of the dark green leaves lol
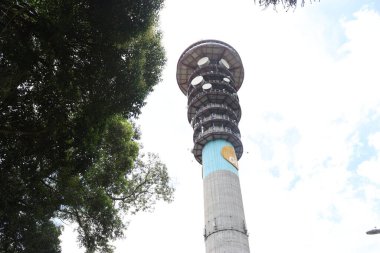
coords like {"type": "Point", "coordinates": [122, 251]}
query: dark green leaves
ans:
{"type": "Point", "coordinates": [72, 73]}
{"type": "Point", "coordinates": [285, 3]}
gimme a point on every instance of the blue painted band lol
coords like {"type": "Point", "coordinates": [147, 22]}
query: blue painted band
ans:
{"type": "Point", "coordinates": [212, 158]}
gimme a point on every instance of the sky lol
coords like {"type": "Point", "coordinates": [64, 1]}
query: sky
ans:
{"type": "Point", "coordinates": [310, 172]}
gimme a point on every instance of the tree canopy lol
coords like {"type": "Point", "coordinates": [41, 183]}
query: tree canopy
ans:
{"type": "Point", "coordinates": [285, 3]}
{"type": "Point", "coordinates": [72, 74]}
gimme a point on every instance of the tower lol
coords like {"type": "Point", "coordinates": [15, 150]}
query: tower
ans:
{"type": "Point", "coordinates": [210, 73]}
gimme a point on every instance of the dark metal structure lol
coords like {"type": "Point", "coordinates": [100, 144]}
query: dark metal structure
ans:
{"type": "Point", "coordinates": [210, 73]}
{"type": "Point", "coordinates": [373, 231]}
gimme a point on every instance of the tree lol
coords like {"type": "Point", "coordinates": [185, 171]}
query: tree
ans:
{"type": "Point", "coordinates": [73, 72]}
{"type": "Point", "coordinates": [285, 3]}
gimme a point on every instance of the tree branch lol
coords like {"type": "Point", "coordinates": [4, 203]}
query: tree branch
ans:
{"type": "Point", "coordinates": [134, 190]}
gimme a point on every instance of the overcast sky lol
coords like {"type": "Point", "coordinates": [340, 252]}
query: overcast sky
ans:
{"type": "Point", "coordinates": [310, 172]}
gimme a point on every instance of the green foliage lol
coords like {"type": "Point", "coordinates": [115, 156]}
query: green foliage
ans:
{"type": "Point", "coordinates": [72, 73]}
{"type": "Point", "coordinates": [41, 237]}
{"type": "Point", "coordinates": [285, 3]}
{"type": "Point", "coordinates": [28, 234]}
{"type": "Point", "coordinates": [116, 183]}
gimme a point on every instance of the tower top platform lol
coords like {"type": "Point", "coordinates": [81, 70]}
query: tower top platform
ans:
{"type": "Point", "coordinates": [216, 51]}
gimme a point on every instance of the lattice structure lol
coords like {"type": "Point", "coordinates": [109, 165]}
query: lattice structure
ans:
{"type": "Point", "coordinates": [210, 73]}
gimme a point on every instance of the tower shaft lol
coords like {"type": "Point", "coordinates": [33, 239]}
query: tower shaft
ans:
{"type": "Point", "coordinates": [225, 228]}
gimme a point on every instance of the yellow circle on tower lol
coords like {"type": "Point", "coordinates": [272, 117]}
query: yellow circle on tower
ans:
{"type": "Point", "coordinates": [228, 153]}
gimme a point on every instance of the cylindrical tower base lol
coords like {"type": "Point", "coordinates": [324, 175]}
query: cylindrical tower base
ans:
{"type": "Point", "coordinates": [225, 227]}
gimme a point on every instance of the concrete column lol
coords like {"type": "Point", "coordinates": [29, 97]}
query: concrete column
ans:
{"type": "Point", "coordinates": [225, 226]}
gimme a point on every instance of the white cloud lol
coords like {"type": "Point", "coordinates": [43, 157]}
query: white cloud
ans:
{"type": "Point", "coordinates": [371, 168]}
{"type": "Point", "coordinates": [374, 141]}
{"type": "Point", "coordinates": [361, 42]}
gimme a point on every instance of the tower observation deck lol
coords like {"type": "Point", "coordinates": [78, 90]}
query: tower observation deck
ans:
{"type": "Point", "coordinates": [210, 73]}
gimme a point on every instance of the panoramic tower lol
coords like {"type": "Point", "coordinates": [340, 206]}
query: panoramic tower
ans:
{"type": "Point", "coordinates": [210, 73]}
